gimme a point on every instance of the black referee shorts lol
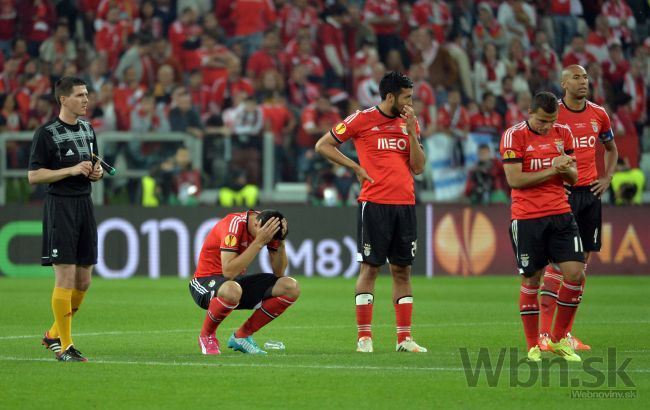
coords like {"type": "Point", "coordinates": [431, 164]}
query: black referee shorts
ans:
{"type": "Point", "coordinates": [386, 232]}
{"type": "Point", "coordinates": [69, 231]}
{"type": "Point", "coordinates": [536, 242]}
{"type": "Point", "coordinates": [587, 209]}
{"type": "Point", "coordinates": [255, 288]}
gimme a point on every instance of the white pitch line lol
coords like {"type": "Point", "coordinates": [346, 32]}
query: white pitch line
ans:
{"type": "Point", "coordinates": [271, 365]}
{"type": "Point", "coordinates": [279, 366]}
{"type": "Point", "coordinates": [280, 328]}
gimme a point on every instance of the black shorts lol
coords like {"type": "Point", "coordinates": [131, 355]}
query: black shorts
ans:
{"type": "Point", "coordinates": [536, 242]}
{"type": "Point", "coordinates": [69, 231]}
{"type": "Point", "coordinates": [587, 209]}
{"type": "Point", "coordinates": [255, 288]}
{"type": "Point", "coordinates": [386, 231]}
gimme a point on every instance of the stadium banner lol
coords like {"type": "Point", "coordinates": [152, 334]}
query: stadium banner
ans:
{"type": "Point", "coordinates": [453, 240]}
{"type": "Point", "coordinates": [470, 241]}
{"type": "Point", "coordinates": [166, 241]}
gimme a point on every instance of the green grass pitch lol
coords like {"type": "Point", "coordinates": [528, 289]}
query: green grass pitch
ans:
{"type": "Point", "coordinates": [140, 337]}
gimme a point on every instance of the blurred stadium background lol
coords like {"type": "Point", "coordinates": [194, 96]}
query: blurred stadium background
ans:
{"type": "Point", "coordinates": [209, 106]}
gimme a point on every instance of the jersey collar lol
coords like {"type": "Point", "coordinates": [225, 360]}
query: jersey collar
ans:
{"type": "Point", "coordinates": [577, 111]}
{"type": "Point", "coordinates": [383, 113]}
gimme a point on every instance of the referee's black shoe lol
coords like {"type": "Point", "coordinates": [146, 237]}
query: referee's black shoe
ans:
{"type": "Point", "coordinates": [54, 344]}
{"type": "Point", "coordinates": [71, 355]}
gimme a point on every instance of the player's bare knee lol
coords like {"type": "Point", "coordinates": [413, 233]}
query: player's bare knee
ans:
{"type": "Point", "coordinates": [369, 271]}
{"type": "Point", "coordinates": [230, 291]}
{"type": "Point", "coordinates": [574, 275]}
{"type": "Point", "coordinates": [400, 273]}
{"type": "Point", "coordinates": [532, 278]}
{"type": "Point", "coordinates": [288, 286]}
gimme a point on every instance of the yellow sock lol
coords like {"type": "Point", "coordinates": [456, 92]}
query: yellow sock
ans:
{"type": "Point", "coordinates": [62, 309]}
{"type": "Point", "coordinates": [75, 301]}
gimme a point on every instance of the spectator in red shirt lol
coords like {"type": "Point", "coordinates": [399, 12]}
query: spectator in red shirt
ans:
{"type": "Point", "coordinates": [423, 91]}
{"type": "Point", "coordinates": [148, 22]}
{"type": "Point", "coordinates": [616, 67]}
{"type": "Point", "coordinates": [281, 122]}
{"type": "Point", "coordinates": [621, 19]}
{"type": "Point", "coordinates": [251, 18]}
{"type": "Point", "coordinates": [576, 53]}
{"type": "Point", "coordinates": [294, 15]}
{"type": "Point", "coordinates": [184, 36]}
{"type": "Point", "coordinates": [384, 16]}
{"type": "Point", "coordinates": [201, 95]}
{"type": "Point", "coordinates": [333, 51]}
{"type": "Point", "coordinates": [302, 91]}
{"type": "Point", "coordinates": [213, 58]}
{"type": "Point", "coordinates": [37, 22]}
{"type": "Point", "coordinates": [9, 76]}
{"type": "Point", "coordinates": [225, 89]}
{"type": "Point", "coordinates": [110, 39]}
{"type": "Point", "coordinates": [596, 83]}
{"type": "Point", "coordinates": [126, 96]}
{"type": "Point", "coordinates": [368, 91]}
{"type": "Point", "coordinates": [8, 20]}
{"type": "Point", "coordinates": [269, 56]}
{"type": "Point", "coordinates": [161, 54]}
{"type": "Point", "coordinates": [315, 121]}
{"type": "Point", "coordinates": [434, 14]}
{"type": "Point", "coordinates": [518, 112]}
{"type": "Point", "coordinates": [599, 39]}
{"type": "Point", "coordinates": [487, 120]}
{"type": "Point", "coordinates": [453, 120]}
{"type": "Point", "coordinates": [544, 63]}
{"type": "Point", "coordinates": [636, 85]}
{"type": "Point", "coordinates": [304, 57]}
{"type": "Point", "coordinates": [564, 23]}
{"type": "Point", "coordinates": [487, 29]}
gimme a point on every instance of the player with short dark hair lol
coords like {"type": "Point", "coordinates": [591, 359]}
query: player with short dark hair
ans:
{"type": "Point", "coordinates": [387, 140]}
{"type": "Point", "coordinates": [589, 124]}
{"type": "Point", "coordinates": [62, 157]}
{"type": "Point", "coordinates": [537, 162]}
{"type": "Point", "coordinates": [220, 284]}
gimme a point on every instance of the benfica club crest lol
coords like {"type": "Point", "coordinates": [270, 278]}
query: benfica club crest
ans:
{"type": "Point", "coordinates": [559, 145]}
{"type": "Point", "coordinates": [594, 125]}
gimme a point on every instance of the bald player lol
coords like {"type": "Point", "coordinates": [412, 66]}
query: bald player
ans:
{"type": "Point", "coordinates": [590, 125]}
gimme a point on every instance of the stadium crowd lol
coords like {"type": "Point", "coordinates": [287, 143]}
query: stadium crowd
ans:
{"type": "Point", "coordinates": [229, 72]}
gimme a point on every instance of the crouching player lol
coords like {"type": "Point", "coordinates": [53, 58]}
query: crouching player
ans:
{"type": "Point", "coordinates": [537, 162]}
{"type": "Point", "coordinates": [219, 284]}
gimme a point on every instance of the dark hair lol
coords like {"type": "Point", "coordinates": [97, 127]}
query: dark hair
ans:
{"type": "Point", "coordinates": [63, 87]}
{"type": "Point", "coordinates": [267, 214]}
{"type": "Point", "coordinates": [483, 146]}
{"type": "Point", "coordinates": [544, 100]}
{"type": "Point", "coordinates": [392, 83]}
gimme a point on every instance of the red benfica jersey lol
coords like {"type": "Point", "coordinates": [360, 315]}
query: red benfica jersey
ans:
{"type": "Point", "coordinates": [536, 152]}
{"type": "Point", "coordinates": [229, 235]}
{"type": "Point", "coordinates": [383, 147]}
{"type": "Point", "coordinates": [587, 126]}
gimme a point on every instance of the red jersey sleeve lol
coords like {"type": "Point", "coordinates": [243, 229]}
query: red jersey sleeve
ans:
{"type": "Point", "coordinates": [511, 147]}
{"type": "Point", "coordinates": [230, 236]}
{"type": "Point", "coordinates": [606, 133]}
{"type": "Point", "coordinates": [346, 129]}
{"type": "Point", "coordinates": [569, 147]}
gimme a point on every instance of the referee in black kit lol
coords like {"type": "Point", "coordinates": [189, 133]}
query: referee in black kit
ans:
{"type": "Point", "coordinates": [62, 157]}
